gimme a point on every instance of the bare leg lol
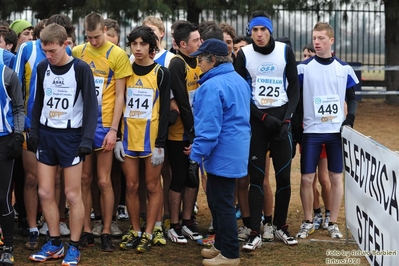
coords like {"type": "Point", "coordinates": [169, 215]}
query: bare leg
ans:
{"type": "Point", "coordinates": [30, 188]}
{"type": "Point", "coordinates": [73, 192]}
{"type": "Point", "coordinates": [87, 178]}
{"type": "Point", "coordinates": [337, 192]}
{"type": "Point", "coordinates": [131, 170]}
{"type": "Point", "coordinates": [104, 166]}
{"type": "Point", "coordinates": [306, 192]}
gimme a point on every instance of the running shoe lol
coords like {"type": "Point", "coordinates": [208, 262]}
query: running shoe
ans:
{"type": "Point", "coordinates": [40, 221]}
{"type": "Point", "coordinates": [243, 233]}
{"type": "Point", "coordinates": [7, 257]}
{"type": "Point", "coordinates": [305, 230]}
{"type": "Point", "coordinates": [210, 253]}
{"type": "Point", "coordinates": [97, 228]}
{"type": "Point", "coordinates": [33, 241]}
{"type": "Point", "coordinates": [285, 236]}
{"type": "Point", "coordinates": [44, 229]}
{"type": "Point", "coordinates": [106, 243]}
{"type": "Point", "coordinates": [64, 231]}
{"type": "Point", "coordinates": [317, 220]}
{"type": "Point", "coordinates": [47, 252]}
{"type": "Point", "coordinates": [86, 240]}
{"type": "Point", "coordinates": [176, 236]}
{"type": "Point", "coordinates": [145, 243]}
{"type": "Point", "coordinates": [326, 221]}
{"type": "Point", "coordinates": [122, 213]}
{"type": "Point", "coordinates": [208, 241]}
{"type": "Point", "coordinates": [159, 238]}
{"type": "Point", "coordinates": [191, 231]}
{"type": "Point", "coordinates": [268, 233]}
{"type": "Point", "coordinates": [115, 230]}
{"type": "Point", "coordinates": [254, 241]}
{"type": "Point", "coordinates": [23, 227]}
{"type": "Point", "coordinates": [72, 257]}
{"type": "Point", "coordinates": [130, 240]}
{"type": "Point", "coordinates": [334, 232]}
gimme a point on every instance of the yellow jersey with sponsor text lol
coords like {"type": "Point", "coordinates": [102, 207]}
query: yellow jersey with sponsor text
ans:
{"type": "Point", "coordinates": [141, 111]}
{"type": "Point", "coordinates": [108, 63]}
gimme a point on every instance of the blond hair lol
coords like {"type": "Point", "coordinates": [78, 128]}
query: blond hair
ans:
{"type": "Point", "coordinates": [320, 26]}
{"type": "Point", "coordinates": [154, 21]}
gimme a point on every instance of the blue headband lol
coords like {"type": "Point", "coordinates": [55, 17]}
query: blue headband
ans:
{"type": "Point", "coordinates": [261, 21]}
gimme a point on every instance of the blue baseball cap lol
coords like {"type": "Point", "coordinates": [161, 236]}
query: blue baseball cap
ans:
{"type": "Point", "coordinates": [212, 46]}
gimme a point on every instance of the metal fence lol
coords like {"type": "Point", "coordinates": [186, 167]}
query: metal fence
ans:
{"type": "Point", "coordinates": [359, 29]}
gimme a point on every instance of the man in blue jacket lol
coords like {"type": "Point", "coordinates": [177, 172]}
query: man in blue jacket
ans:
{"type": "Point", "coordinates": [222, 136]}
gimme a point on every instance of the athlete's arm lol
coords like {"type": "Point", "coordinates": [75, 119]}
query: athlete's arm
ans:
{"type": "Point", "coordinates": [177, 70]}
{"type": "Point", "coordinates": [164, 88]}
{"type": "Point", "coordinates": [293, 85]}
{"type": "Point", "coordinates": [38, 104]}
{"type": "Point", "coordinates": [87, 87]}
{"type": "Point", "coordinates": [350, 98]}
{"type": "Point", "coordinates": [14, 85]}
{"type": "Point", "coordinates": [110, 138]}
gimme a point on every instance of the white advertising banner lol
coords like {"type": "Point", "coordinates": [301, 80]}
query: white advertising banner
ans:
{"type": "Point", "coordinates": [371, 197]}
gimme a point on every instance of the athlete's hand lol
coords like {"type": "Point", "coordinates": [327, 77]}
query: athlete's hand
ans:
{"type": "Point", "coordinates": [271, 122]}
{"type": "Point", "coordinates": [83, 151]}
{"type": "Point", "coordinates": [158, 155]}
{"type": "Point", "coordinates": [32, 144]}
{"type": "Point", "coordinates": [350, 119]}
{"type": "Point", "coordinates": [109, 141]}
{"type": "Point", "coordinates": [14, 146]}
{"type": "Point", "coordinates": [187, 150]}
{"type": "Point", "coordinates": [285, 127]}
{"type": "Point", "coordinates": [119, 152]}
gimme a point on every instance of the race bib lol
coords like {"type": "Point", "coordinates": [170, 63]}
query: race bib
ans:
{"type": "Point", "coordinates": [99, 85]}
{"type": "Point", "coordinates": [139, 103]}
{"type": "Point", "coordinates": [58, 103]}
{"type": "Point", "coordinates": [269, 92]}
{"type": "Point", "coordinates": [327, 109]}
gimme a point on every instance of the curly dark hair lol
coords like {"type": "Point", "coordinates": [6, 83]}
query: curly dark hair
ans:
{"type": "Point", "coordinates": [146, 34]}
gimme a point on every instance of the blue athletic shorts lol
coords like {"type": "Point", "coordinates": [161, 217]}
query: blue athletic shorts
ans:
{"type": "Point", "coordinates": [312, 146]}
{"type": "Point", "coordinates": [59, 146]}
{"type": "Point", "coordinates": [99, 137]}
{"type": "Point", "coordinates": [137, 154]}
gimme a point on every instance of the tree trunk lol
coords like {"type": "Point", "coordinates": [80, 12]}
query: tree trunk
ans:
{"type": "Point", "coordinates": [391, 48]}
{"type": "Point", "coordinates": [193, 11]}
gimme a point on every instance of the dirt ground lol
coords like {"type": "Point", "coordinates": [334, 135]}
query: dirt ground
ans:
{"type": "Point", "coordinates": [374, 118]}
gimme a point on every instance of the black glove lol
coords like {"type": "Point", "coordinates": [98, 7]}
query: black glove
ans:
{"type": "Point", "coordinates": [83, 151]}
{"type": "Point", "coordinates": [350, 119]}
{"type": "Point", "coordinates": [285, 128]}
{"type": "Point", "coordinates": [173, 115]}
{"type": "Point", "coordinates": [193, 174]}
{"type": "Point", "coordinates": [32, 144]}
{"type": "Point", "coordinates": [271, 122]}
{"type": "Point", "coordinates": [14, 147]}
